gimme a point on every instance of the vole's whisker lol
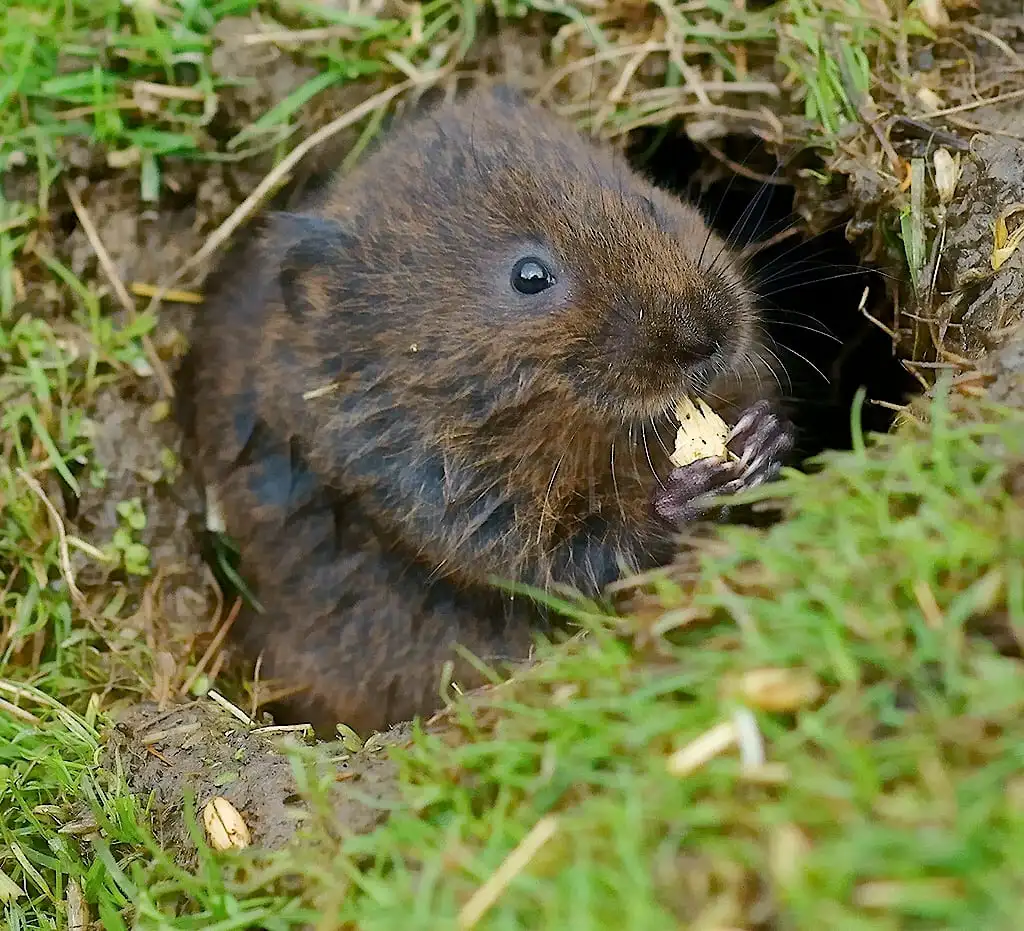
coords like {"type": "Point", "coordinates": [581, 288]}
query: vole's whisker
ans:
{"type": "Point", "coordinates": [800, 284]}
{"type": "Point", "coordinates": [808, 264]}
{"type": "Point", "coordinates": [771, 368]}
{"type": "Point", "coordinates": [615, 483]}
{"type": "Point", "coordinates": [730, 241]}
{"type": "Point", "coordinates": [547, 495]}
{"type": "Point", "coordinates": [661, 442]}
{"type": "Point", "coordinates": [774, 314]}
{"type": "Point", "coordinates": [647, 452]}
{"type": "Point", "coordinates": [796, 314]}
{"type": "Point", "coordinates": [801, 243]}
{"type": "Point", "coordinates": [804, 358]}
{"type": "Point", "coordinates": [818, 331]}
{"type": "Point", "coordinates": [746, 363]}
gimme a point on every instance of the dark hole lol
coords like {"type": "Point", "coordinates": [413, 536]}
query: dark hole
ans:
{"type": "Point", "coordinates": [825, 348]}
{"type": "Point", "coordinates": [67, 493]}
{"type": "Point", "coordinates": [67, 222]}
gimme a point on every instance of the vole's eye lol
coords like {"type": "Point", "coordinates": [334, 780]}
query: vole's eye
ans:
{"type": "Point", "coordinates": [531, 276]}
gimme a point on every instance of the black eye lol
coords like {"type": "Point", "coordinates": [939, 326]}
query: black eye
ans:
{"type": "Point", "coordinates": [531, 276]}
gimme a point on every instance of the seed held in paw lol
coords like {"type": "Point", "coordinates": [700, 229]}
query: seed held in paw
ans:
{"type": "Point", "coordinates": [701, 433]}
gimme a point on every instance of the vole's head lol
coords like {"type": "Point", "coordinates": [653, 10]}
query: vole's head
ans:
{"type": "Point", "coordinates": [492, 235]}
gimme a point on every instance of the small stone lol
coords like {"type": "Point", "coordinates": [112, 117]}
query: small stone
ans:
{"type": "Point", "coordinates": [224, 825]}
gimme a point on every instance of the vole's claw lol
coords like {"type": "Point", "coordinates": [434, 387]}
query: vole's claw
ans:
{"type": "Point", "coordinates": [762, 438]}
{"type": "Point", "coordinates": [748, 419]}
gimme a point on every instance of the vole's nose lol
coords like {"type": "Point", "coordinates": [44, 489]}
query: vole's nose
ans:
{"type": "Point", "coordinates": [699, 341]}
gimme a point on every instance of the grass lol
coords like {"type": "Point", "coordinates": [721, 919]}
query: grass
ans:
{"type": "Point", "coordinates": [76, 843]}
{"type": "Point", "coordinates": [899, 797]}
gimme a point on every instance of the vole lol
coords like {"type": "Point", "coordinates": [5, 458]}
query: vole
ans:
{"type": "Point", "coordinates": [454, 366]}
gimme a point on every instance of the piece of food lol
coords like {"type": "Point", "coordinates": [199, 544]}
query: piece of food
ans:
{"type": "Point", "coordinates": [701, 433]}
{"type": "Point", "coordinates": [776, 689]}
{"type": "Point", "coordinates": [224, 825]}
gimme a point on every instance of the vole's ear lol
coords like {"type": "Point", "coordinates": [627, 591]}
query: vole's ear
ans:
{"type": "Point", "coordinates": [508, 94]}
{"type": "Point", "coordinates": [425, 103]}
{"type": "Point", "coordinates": [315, 243]}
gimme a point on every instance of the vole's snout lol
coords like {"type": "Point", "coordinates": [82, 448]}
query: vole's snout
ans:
{"type": "Point", "coordinates": [696, 349]}
{"type": "Point", "coordinates": [697, 340]}
{"type": "Point", "coordinates": [672, 357]}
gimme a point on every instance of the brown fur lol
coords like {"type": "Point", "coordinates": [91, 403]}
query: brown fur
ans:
{"type": "Point", "coordinates": [456, 431]}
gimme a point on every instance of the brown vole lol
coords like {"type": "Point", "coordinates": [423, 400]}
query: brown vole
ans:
{"type": "Point", "coordinates": [457, 364]}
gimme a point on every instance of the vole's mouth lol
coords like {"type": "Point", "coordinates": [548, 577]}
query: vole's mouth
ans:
{"type": "Point", "coordinates": [638, 396]}
{"type": "Point", "coordinates": [632, 406]}
{"type": "Point", "coordinates": [659, 416]}
{"type": "Point", "coordinates": [643, 403]}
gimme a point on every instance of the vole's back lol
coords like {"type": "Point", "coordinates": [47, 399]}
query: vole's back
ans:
{"type": "Point", "coordinates": [350, 621]}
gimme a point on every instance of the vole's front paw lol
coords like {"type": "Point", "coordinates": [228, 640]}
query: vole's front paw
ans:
{"type": "Point", "coordinates": [688, 492]}
{"type": "Point", "coordinates": [762, 439]}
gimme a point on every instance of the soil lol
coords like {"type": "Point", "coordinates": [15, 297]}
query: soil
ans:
{"type": "Point", "coordinates": [961, 307]}
{"type": "Point", "coordinates": [978, 304]}
{"type": "Point", "coordinates": [201, 749]}
{"type": "Point", "coordinates": [1005, 369]}
{"type": "Point", "coordinates": [967, 312]}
